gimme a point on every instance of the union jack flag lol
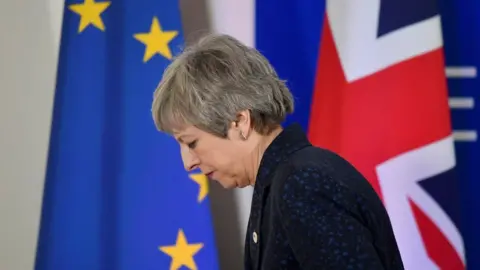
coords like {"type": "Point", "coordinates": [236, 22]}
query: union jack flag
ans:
{"type": "Point", "coordinates": [380, 100]}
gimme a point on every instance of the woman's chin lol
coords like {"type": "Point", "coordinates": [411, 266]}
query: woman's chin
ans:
{"type": "Point", "coordinates": [242, 185]}
{"type": "Point", "coordinates": [230, 183]}
{"type": "Point", "coordinates": [227, 184]}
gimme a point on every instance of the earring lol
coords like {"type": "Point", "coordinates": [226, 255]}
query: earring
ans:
{"type": "Point", "coordinates": [243, 136]}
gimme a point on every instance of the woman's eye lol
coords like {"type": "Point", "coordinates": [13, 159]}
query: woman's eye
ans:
{"type": "Point", "coordinates": [192, 144]}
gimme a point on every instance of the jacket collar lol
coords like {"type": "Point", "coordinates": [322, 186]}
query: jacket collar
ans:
{"type": "Point", "coordinates": [290, 140]}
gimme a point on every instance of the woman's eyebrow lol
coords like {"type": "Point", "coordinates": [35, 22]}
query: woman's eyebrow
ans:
{"type": "Point", "coordinates": [181, 138]}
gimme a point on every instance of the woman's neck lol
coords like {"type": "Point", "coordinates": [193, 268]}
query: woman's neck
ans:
{"type": "Point", "coordinates": [259, 151]}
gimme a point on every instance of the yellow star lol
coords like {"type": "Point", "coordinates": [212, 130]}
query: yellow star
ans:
{"type": "Point", "coordinates": [182, 253]}
{"type": "Point", "coordinates": [90, 12]}
{"type": "Point", "coordinates": [202, 181]}
{"type": "Point", "coordinates": [156, 41]}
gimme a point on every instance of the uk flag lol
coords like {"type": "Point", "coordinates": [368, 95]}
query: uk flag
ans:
{"type": "Point", "coordinates": [380, 100]}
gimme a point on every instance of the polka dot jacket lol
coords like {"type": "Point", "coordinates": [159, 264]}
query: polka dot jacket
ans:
{"type": "Point", "coordinates": [311, 209]}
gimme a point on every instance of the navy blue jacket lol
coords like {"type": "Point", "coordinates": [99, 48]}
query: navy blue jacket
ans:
{"type": "Point", "coordinates": [311, 209]}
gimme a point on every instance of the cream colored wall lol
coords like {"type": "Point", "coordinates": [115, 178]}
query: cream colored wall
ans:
{"type": "Point", "coordinates": [30, 34]}
{"type": "Point", "coordinates": [27, 70]}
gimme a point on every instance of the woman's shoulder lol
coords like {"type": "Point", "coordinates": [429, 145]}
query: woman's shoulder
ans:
{"type": "Point", "coordinates": [320, 174]}
{"type": "Point", "coordinates": [319, 164]}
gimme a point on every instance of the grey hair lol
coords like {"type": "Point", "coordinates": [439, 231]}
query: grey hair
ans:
{"type": "Point", "coordinates": [210, 82]}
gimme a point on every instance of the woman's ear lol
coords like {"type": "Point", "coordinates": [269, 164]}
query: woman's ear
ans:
{"type": "Point", "coordinates": [243, 124]}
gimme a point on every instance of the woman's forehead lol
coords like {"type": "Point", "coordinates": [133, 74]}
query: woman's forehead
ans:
{"type": "Point", "coordinates": [185, 131]}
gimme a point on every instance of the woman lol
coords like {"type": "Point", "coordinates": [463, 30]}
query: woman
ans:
{"type": "Point", "coordinates": [224, 104]}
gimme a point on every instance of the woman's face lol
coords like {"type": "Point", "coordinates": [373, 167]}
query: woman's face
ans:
{"type": "Point", "coordinates": [222, 160]}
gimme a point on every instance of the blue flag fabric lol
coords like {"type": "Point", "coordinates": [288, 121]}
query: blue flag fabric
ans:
{"type": "Point", "coordinates": [461, 30]}
{"type": "Point", "coordinates": [116, 194]}
{"type": "Point", "coordinates": [294, 58]}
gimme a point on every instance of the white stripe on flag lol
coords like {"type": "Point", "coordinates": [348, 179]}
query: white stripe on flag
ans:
{"type": "Point", "coordinates": [461, 102]}
{"type": "Point", "coordinates": [399, 178]}
{"type": "Point", "coordinates": [465, 135]}
{"type": "Point", "coordinates": [461, 72]}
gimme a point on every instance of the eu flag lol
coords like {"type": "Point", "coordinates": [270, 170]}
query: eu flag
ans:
{"type": "Point", "coordinates": [116, 194]}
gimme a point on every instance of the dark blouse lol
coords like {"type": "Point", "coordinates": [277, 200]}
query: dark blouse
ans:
{"type": "Point", "coordinates": [312, 210]}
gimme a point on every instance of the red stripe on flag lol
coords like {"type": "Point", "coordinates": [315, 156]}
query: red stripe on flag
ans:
{"type": "Point", "coordinates": [438, 247]}
{"type": "Point", "coordinates": [380, 116]}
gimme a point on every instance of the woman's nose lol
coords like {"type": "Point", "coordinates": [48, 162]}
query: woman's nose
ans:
{"type": "Point", "coordinates": [190, 160]}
